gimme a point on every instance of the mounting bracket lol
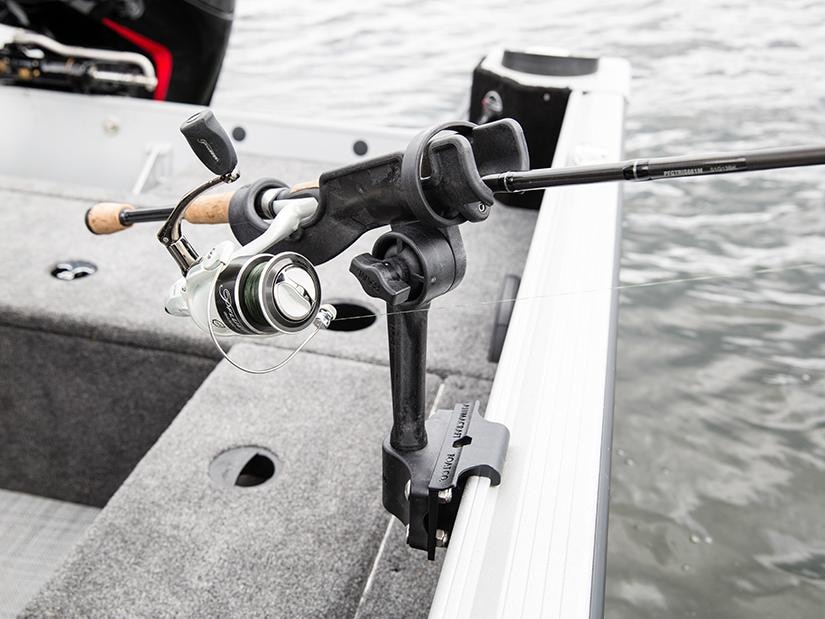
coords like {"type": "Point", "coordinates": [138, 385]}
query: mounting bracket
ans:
{"type": "Point", "coordinates": [423, 488]}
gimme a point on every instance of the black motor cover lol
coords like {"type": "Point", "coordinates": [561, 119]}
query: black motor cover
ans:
{"type": "Point", "coordinates": [185, 39]}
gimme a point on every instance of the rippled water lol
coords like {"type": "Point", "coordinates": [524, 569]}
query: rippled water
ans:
{"type": "Point", "coordinates": [718, 488]}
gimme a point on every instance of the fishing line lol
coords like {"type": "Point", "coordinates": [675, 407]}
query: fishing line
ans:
{"type": "Point", "coordinates": [564, 293]}
{"type": "Point", "coordinates": [322, 321]}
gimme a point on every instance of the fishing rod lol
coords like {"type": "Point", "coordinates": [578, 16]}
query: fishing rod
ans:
{"type": "Point", "coordinates": [656, 169]}
{"type": "Point", "coordinates": [111, 217]}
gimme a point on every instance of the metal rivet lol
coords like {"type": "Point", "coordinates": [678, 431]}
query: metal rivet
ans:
{"type": "Point", "coordinates": [111, 126]}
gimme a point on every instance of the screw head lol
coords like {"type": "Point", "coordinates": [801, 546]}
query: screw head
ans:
{"type": "Point", "coordinates": [492, 103]}
{"type": "Point", "coordinates": [441, 538]}
{"type": "Point", "coordinates": [111, 126]}
{"type": "Point", "coordinates": [445, 496]}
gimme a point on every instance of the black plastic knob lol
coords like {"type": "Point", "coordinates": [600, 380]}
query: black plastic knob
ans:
{"type": "Point", "coordinates": [382, 279]}
{"type": "Point", "coordinates": [210, 142]}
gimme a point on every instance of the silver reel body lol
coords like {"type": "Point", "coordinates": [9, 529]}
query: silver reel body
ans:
{"type": "Point", "coordinates": [228, 293]}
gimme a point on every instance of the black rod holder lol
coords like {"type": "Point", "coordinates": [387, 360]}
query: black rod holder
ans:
{"type": "Point", "coordinates": [426, 461]}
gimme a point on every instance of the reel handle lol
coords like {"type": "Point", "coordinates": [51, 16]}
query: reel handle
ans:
{"type": "Point", "coordinates": [210, 143]}
{"type": "Point", "coordinates": [111, 217]}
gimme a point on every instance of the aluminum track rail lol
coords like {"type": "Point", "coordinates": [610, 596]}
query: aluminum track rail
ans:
{"type": "Point", "coordinates": [535, 545]}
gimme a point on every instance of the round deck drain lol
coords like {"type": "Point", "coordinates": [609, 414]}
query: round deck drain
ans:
{"type": "Point", "coordinates": [351, 316]}
{"type": "Point", "coordinates": [69, 270]}
{"type": "Point", "coordinates": [243, 467]}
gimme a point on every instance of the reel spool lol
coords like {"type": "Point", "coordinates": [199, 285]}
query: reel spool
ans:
{"type": "Point", "coordinates": [266, 294]}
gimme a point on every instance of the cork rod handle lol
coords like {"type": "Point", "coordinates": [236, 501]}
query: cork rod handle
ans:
{"type": "Point", "coordinates": [104, 217]}
{"type": "Point", "coordinates": [111, 217]}
{"type": "Point", "coordinates": [213, 208]}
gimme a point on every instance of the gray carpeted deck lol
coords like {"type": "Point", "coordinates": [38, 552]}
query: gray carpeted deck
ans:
{"type": "Point", "coordinates": [36, 534]}
{"type": "Point", "coordinates": [171, 543]}
{"type": "Point", "coordinates": [78, 414]}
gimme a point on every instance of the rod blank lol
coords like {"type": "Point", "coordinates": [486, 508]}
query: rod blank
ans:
{"type": "Point", "coordinates": [656, 169]}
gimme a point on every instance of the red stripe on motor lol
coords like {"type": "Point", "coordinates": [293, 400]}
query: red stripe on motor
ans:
{"type": "Point", "coordinates": [160, 54]}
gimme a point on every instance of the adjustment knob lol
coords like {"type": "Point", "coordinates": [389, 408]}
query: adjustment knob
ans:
{"type": "Point", "coordinates": [382, 279]}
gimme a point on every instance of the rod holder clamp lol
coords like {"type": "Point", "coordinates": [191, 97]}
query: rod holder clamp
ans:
{"type": "Point", "coordinates": [423, 488]}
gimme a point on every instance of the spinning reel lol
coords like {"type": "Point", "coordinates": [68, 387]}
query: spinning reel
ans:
{"type": "Point", "coordinates": [241, 290]}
